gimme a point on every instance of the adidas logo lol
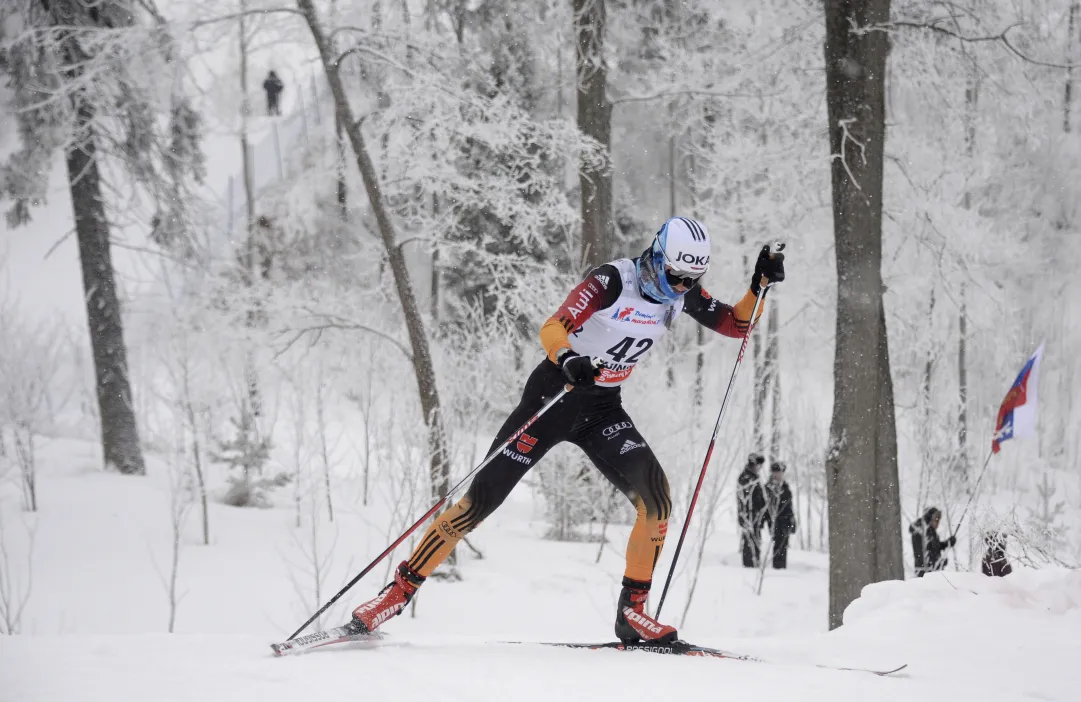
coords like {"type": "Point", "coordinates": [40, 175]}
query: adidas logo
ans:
{"type": "Point", "coordinates": [629, 446]}
{"type": "Point", "coordinates": [603, 280]}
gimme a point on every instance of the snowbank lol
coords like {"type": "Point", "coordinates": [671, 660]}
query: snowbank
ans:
{"type": "Point", "coordinates": [1012, 638]}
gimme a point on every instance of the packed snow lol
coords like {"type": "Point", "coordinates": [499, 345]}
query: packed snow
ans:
{"type": "Point", "coordinates": [94, 623]}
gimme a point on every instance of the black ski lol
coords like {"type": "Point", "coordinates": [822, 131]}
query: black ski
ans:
{"type": "Point", "coordinates": [349, 633]}
{"type": "Point", "coordinates": [682, 648]}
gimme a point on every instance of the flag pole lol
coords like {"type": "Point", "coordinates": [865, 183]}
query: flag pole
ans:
{"type": "Point", "coordinates": [975, 490]}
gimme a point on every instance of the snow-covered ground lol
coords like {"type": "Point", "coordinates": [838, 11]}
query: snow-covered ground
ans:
{"type": "Point", "coordinates": [94, 627]}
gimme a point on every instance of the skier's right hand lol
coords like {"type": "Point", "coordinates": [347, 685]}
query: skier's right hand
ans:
{"type": "Point", "coordinates": [579, 371]}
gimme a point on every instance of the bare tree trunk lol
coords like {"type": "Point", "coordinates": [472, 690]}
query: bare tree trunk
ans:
{"type": "Point", "coordinates": [197, 462]}
{"type": "Point", "coordinates": [962, 387]}
{"type": "Point", "coordinates": [321, 419]}
{"type": "Point", "coordinates": [761, 388]}
{"type": "Point", "coordinates": [245, 148]}
{"type": "Point", "coordinates": [249, 263]}
{"type": "Point", "coordinates": [1067, 97]}
{"type": "Point", "coordinates": [773, 374]}
{"type": "Point", "coordinates": [119, 433]}
{"type": "Point", "coordinates": [595, 121]}
{"type": "Point", "coordinates": [343, 192]}
{"type": "Point", "coordinates": [926, 450]}
{"type": "Point", "coordinates": [863, 491]}
{"type": "Point", "coordinates": [22, 437]}
{"type": "Point", "coordinates": [699, 365]}
{"type": "Point", "coordinates": [439, 467]}
{"type": "Point", "coordinates": [434, 301]}
{"type": "Point", "coordinates": [972, 93]}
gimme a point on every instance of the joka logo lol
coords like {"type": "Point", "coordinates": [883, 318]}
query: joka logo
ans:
{"type": "Point", "coordinates": [629, 446]}
{"type": "Point", "coordinates": [526, 443]}
{"type": "Point", "coordinates": [616, 428]}
{"type": "Point", "coordinates": [623, 313]}
{"type": "Point", "coordinates": [692, 259]}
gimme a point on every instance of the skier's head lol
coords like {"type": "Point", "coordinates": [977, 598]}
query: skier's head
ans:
{"type": "Point", "coordinates": [932, 516]}
{"type": "Point", "coordinates": [677, 258]}
{"type": "Point", "coordinates": [754, 462]}
{"type": "Point", "coordinates": [776, 472]}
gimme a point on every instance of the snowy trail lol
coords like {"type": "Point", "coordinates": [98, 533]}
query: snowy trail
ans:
{"type": "Point", "coordinates": [98, 601]}
{"type": "Point", "coordinates": [241, 668]}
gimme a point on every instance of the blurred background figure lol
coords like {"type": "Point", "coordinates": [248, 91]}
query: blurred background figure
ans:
{"type": "Point", "coordinates": [273, 86]}
{"type": "Point", "coordinates": [927, 548]}
{"type": "Point", "coordinates": [779, 513]}
{"type": "Point", "coordinates": [751, 510]}
{"type": "Point", "coordinates": [994, 560]}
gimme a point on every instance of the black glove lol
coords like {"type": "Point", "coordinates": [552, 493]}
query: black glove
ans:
{"type": "Point", "coordinates": [769, 265]}
{"type": "Point", "coordinates": [951, 541]}
{"type": "Point", "coordinates": [578, 370]}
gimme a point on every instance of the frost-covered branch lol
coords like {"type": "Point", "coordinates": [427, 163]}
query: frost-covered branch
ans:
{"type": "Point", "coordinates": [936, 25]}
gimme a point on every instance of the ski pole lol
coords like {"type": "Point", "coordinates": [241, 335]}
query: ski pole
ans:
{"type": "Point", "coordinates": [713, 439]}
{"type": "Point", "coordinates": [435, 508]}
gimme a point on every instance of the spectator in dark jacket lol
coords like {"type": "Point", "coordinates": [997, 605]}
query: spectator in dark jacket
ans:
{"type": "Point", "coordinates": [751, 511]}
{"type": "Point", "coordinates": [994, 561]}
{"type": "Point", "coordinates": [779, 513]}
{"type": "Point", "coordinates": [273, 86]}
{"type": "Point", "coordinates": [927, 548]}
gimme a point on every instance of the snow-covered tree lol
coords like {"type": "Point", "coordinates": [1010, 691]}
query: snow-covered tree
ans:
{"type": "Point", "coordinates": [85, 81]}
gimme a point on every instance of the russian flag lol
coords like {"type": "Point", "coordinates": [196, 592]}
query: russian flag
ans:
{"type": "Point", "coordinates": [1017, 415]}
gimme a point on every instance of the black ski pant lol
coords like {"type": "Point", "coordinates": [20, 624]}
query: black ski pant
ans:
{"type": "Point", "coordinates": [780, 548]}
{"type": "Point", "coordinates": [594, 420]}
{"type": "Point", "coordinates": [750, 542]}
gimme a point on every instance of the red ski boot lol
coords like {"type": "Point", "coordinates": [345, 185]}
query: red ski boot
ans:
{"type": "Point", "coordinates": [390, 601]}
{"type": "Point", "coordinates": [632, 622]}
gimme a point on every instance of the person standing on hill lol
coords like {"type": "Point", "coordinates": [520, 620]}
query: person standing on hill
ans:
{"type": "Point", "coordinates": [273, 86]}
{"type": "Point", "coordinates": [594, 341]}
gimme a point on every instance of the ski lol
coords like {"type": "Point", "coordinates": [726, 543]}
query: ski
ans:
{"type": "Point", "coordinates": [348, 633]}
{"type": "Point", "coordinates": [682, 648]}
{"type": "Point", "coordinates": [676, 648]}
{"type": "Point", "coordinates": [339, 634]}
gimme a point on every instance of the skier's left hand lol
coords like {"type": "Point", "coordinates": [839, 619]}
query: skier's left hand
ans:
{"type": "Point", "coordinates": [768, 269]}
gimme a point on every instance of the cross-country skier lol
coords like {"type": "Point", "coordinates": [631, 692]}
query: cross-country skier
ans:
{"type": "Point", "coordinates": [615, 315]}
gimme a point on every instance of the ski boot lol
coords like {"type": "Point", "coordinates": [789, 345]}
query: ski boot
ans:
{"type": "Point", "coordinates": [632, 622]}
{"type": "Point", "coordinates": [390, 601]}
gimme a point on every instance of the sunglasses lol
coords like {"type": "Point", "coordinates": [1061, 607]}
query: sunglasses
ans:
{"type": "Point", "coordinates": [675, 279]}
